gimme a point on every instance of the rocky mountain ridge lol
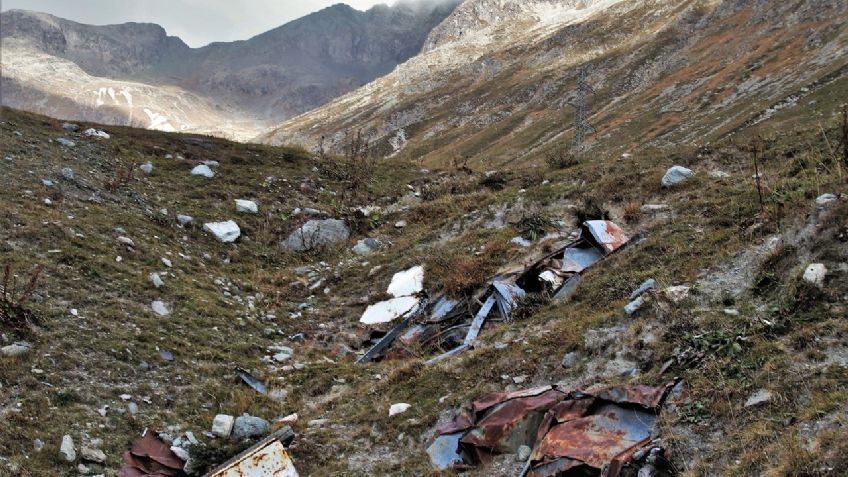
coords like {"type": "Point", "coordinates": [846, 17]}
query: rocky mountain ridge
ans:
{"type": "Point", "coordinates": [135, 74]}
{"type": "Point", "coordinates": [496, 78]}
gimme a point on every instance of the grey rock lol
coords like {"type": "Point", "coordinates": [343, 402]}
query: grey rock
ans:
{"type": "Point", "coordinates": [222, 425]}
{"type": "Point", "coordinates": [523, 453]}
{"type": "Point", "coordinates": [156, 280]}
{"type": "Point", "coordinates": [648, 284]}
{"type": "Point", "coordinates": [183, 219]}
{"type": "Point", "coordinates": [634, 305]}
{"type": "Point", "coordinates": [677, 175]}
{"type": "Point", "coordinates": [66, 449]}
{"type": "Point", "coordinates": [47, 183]}
{"type": "Point", "coordinates": [71, 127]}
{"type": "Point", "coordinates": [226, 232]}
{"type": "Point", "coordinates": [366, 246]}
{"type": "Point", "coordinates": [132, 408]}
{"type": "Point", "coordinates": [316, 234]}
{"type": "Point", "coordinates": [246, 206]}
{"type": "Point", "coordinates": [147, 168]}
{"type": "Point", "coordinates": [825, 199]}
{"type": "Point", "coordinates": [92, 454]}
{"type": "Point", "coordinates": [247, 426]}
{"type": "Point", "coordinates": [570, 360]}
{"type": "Point", "coordinates": [68, 173]}
{"type": "Point", "coordinates": [66, 142]}
{"type": "Point", "coordinates": [160, 308]}
{"type": "Point", "coordinates": [15, 349]}
{"type": "Point", "coordinates": [202, 170]}
{"type": "Point", "coordinates": [126, 241]}
{"type": "Point", "coordinates": [815, 274]}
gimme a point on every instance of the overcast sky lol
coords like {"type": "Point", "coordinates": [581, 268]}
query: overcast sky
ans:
{"type": "Point", "coordinates": [197, 22]}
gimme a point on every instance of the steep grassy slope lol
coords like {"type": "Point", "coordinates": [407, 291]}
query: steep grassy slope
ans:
{"type": "Point", "coordinates": [665, 73]}
{"type": "Point", "coordinates": [230, 303]}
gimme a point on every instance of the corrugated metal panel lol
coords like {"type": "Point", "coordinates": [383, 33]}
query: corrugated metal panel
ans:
{"type": "Point", "coordinates": [267, 458]}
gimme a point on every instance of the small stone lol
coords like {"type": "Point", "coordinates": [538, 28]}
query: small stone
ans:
{"type": "Point", "coordinates": [132, 408]}
{"type": "Point", "coordinates": [226, 232]}
{"type": "Point", "coordinates": [570, 360]}
{"type": "Point", "coordinates": [66, 449]}
{"type": "Point", "coordinates": [678, 293]}
{"type": "Point", "coordinates": [648, 284]}
{"type": "Point", "coordinates": [156, 280]}
{"type": "Point", "coordinates": [398, 408]}
{"type": "Point", "coordinates": [366, 246]}
{"type": "Point", "coordinates": [147, 168]}
{"type": "Point", "coordinates": [815, 274]}
{"type": "Point", "coordinates": [247, 426]}
{"type": "Point", "coordinates": [47, 183]}
{"type": "Point", "coordinates": [203, 170]}
{"type": "Point", "coordinates": [126, 241]}
{"type": "Point", "coordinates": [520, 241]}
{"type": "Point", "coordinates": [70, 127]}
{"type": "Point", "coordinates": [400, 224]}
{"type": "Point", "coordinates": [181, 453]}
{"type": "Point", "coordinates": [184, 220]}
{"type": "Point", "coordinates": [83, 469]}
{"type": "Point", "coordinates": [317, 423]}
{"type": "Point", "coordinates": [37, 445]}
{"type": "Point", "coordinates": [523, 453]}
{"type": "Point", "coordinates": [825, 199]}
{"type": "Point", "coordinates": [92, 455]}
{"type": "Point", "coordinates": [68, 173]}
{"type": "Point", "coordinates": [15, 349]}
{"type": "Point", "coordinates": [758, 398]}
{"type": "Point", "coordinates": [677, 175]}
{"type": "Point", "coordinates": [290, 419]}
{"type": "Point", "coordinates": [519, 379]}
{"type": "Point", "coordinates": [731, 312]}
{"type": "Point", "coordinates": [167, 262]}
{"type": "Point", "coordinates": [96, 133]}
{"type": "Point", "coordinates": [66, 142]}
{"type": "Point", "coordinates": [222, 425]}
{"type": "Point", "coordinates": [278, 395]}
{"type": "Point", "coordinates": [634, 305]}
{"type": "Point", "coordinates": [160, 308]}
{"type": "Point", "coordinates": [246, 206]}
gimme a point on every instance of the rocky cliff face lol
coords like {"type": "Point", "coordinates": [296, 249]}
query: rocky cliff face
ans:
{"type": "Point", "coordinates": [136, 74]}
{"type": "Point", "coordinates": [495, 79]}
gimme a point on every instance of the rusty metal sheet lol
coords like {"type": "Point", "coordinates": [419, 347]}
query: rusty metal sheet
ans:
{"type": "Point", "coordinates": [459, 423]}
{"type": "Point", "coordinates": [513, 423]}
{"type": "Point", "coordinates": [571, 409]}
{"type": "Point", "coordinates": [606, 234]}
{"type": "Point", "coordinates": [576, 260]}
{"type": "Point", "coordinates": [445, 452]}
{"type": "Point", "coordinates": [267, 458]}
{"type": "Point", "coordinates": [557, 467]}
{"type": "Point", "coordinates": [599, 438]}
{"type": "Point", "coordinates": [492, 399]}
{"type": "Point", "coordinates": [648, 397]}
{"type": "Point", "coordinates": [150, 456]}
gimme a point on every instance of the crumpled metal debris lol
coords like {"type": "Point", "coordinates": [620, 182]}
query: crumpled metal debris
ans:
{"type": "Point", "coordinates": [150, 456]}
{"type": "Point", "coordinates": [251, 381]}
{"type": "Point", "coordinates": [452, 326]}
{"type": "Point", "coordinates": [266, 458]}
{"type": "Point", "coordinates": [572, 432]}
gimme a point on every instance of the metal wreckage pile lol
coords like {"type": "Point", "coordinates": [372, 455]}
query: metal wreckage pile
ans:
{"type": "Point", "coordinates": [450, 326]}
{"type": "Point", "coordinates": [596, 431]}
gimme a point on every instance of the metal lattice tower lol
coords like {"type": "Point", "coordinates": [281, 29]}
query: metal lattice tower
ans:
{"type": "Point", "coordinates": [581, 111]}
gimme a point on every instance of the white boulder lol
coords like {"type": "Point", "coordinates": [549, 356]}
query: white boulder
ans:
{"type": "Point", "coordinates": [677, 175]}
{"type": "Point", "coordinates": [815, 273]}
{"type": "Point", "coordinates": [398, 408]}
{"type": "Point", "coordinates": [202, 170]}
{"type": "Point", "coordinates": [225, 232]}
{"type": "Point", "coordinates": [247, 206]}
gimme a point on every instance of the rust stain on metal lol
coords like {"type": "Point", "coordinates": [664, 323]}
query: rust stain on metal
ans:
{"type": "Point", "coordinates": [572, 432]}
{"type": "Point", "coordinates": [267, 458]}
{"type": "Point", "coordinates": [150, 456]}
